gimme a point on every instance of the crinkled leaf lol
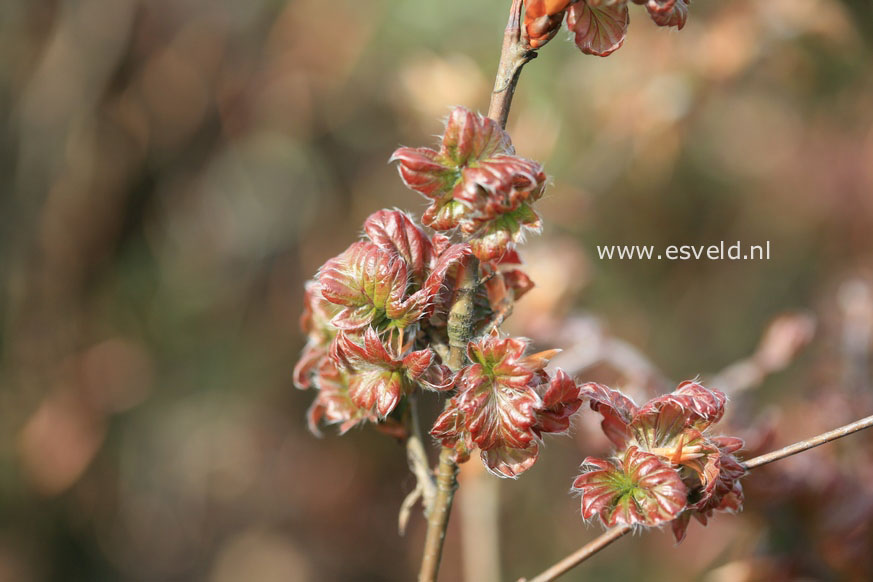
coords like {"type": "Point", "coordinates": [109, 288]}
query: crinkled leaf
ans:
{"type": "Point", "coordinates": [307, 364]}
{"type": "Point", "coordinates": [560, 401]}
{"type": "Point", "coordinates": [497, 406]}
{"type": "Point", "coordinates": [661, 425]}
{"type": "Point", "coordinates": [421, 170]}
{"type": "Point", "coordinates": [500, 417]}
{"type": "Point", "coordinates": [394, 231]}
{"type": "Point", "coordinates": [422, 367]}
{"type": "Point", "coordinates": [450, 431]}
{"type": "Point", "coordinates": [510, 462]}
{"type": "Point", "coordinates": [498, 361]}
{"type": "Point", "coordinates": [500, 234]}
{"type": "Point", "coordinates": [616, 409]}
{"type": "Point", "coordinates": [370, 284]}
{"type": "Point", "coordinates": [333, 404]}
{"type": "Point", "coordinates": [450, 258]}
{"type": "Point", "coordinates": [470, 137]}
{"type": "Point", "coordinates": [726, 495]}
{"type": "Point", "coordinates": [475, 176]}
{"type": "Point", "coordinates": [315, 322]}
{"type": "Point", "coordinates": [668, 12]}
{"type": "Point", "coordinates": [376, 378]}
{"type": "Point", "coordinates": [500, 184]}
{"type": "Point", "coordinates": [599, 26]}
{"type": "Point", "coordinates": [691, 403]}
{"type": "Point", "coordinates": [640, 489]}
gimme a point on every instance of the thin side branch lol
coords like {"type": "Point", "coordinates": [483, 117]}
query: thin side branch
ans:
{"type": "Point", "coordinates": [425, 487]}
{"type": "Point", "coordinates": [581, 554]}
{"type": "Point", "coordinates": [805, 445]}
{"type": "Point", "coordinates": [515, 54]}
{"type": "Point", "coordinates": [611, 535]}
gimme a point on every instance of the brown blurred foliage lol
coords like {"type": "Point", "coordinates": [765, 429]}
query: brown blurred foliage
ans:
{"type": "Point", "coordinates": [172, 172]}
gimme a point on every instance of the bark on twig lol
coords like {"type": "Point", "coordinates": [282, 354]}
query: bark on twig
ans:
{"type": "Point", "coordinates": [515, 53]}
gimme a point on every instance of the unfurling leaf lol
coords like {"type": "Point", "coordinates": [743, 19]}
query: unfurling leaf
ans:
{"type": "Point", "coordinates": [315, 323]}
{"type": "Point", "coordinates": [505, 403]}
{"type": "Point", "coordinates": [674, 429]}
{"type": "Point", "coordinates": [395, 232]}
{"type": "Point", "coordinates": [667, 12]}
{"type": "Point", "coordinates": [600, 26]}
{"type": "Point", "coordinates": [370, 285]}
{"type": "Point", "coordinates": [637, 489]}
{"type": "Point", "coordinates": [378, 379]}
{"type": "Point", "coordinates": [475, 182]}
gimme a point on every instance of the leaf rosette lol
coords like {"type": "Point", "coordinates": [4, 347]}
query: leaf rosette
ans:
{"type": "Point", "coordinates": [675, 428]}
{"type": "Point", "coordinates": [475, 183]}
{"type": "Point", "coordinates": [504, 404]}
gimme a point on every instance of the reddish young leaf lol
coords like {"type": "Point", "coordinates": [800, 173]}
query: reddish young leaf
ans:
{"type": "Point", "coordinates": [510, 462]}
{"type": "Point", "coordinates": [447, 260]}
{"type": "Point", "coordinates": [498, 405]}
{"type": "Point", "coordinates": [542, 19]}
{"type": "Point", "coordinates": [378, 379]}
{"type": "Point", "coordinates": [725, 496]}
{"type": "Point", "coordinates": [395, 232]}
{"type": "Point", "coordinates": [422, 367]}
{"type": "Point", "coordinates": [600, 26]}
{"type": "Point", "coordinates": [315, 322]}
{"type": "Point", "coordinates": [370, 284]}
{"type": "Point", "coordinates": [423, 170]}
{"type": "Point", "coordinates": [473, 180]}
{"type": "Point", "coordinates": [560, 400]}
{"type": "Point", "coordinates": [470, 137]}
{"type": "Point", "coordinates": [450, 431]}
{"type": "Point", "coordinates": [333, 404]}
{"type": "Point", "coordinates": [698, 406]}
{"type": "Point", "coordinates": [672, 428]}
{"type": "Point", "coordinates": [639, 489]}
{"type": "Point", "coordinates": [668, 12]}
{"type": "Point", "coordinates": [309, 360]}
{"type": "Point", "coordinates": [501, 233]}
{"type": "Point", "coordinates": [616, 409]}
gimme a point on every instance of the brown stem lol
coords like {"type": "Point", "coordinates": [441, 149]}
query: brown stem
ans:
{"type": "Point", "coordinates": [460, 330]}
{"type": "Point", "coordinates": [438, 518]}
{"type": "Point", "coordinates": [581, 554]}
{"type": "Point", "coordinates": [460, 322]}
{"type": "Point", "coordinates": [807, 444]}
{"type": "Point", "coordinates": [514, 55]}
{"type": "Point", "coordinates": [425, 488]}
{"type": "Point", "coordinates": [611, 535]}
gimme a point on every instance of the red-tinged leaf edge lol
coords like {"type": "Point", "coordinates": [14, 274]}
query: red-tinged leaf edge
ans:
{"type": "Point", "coordinates": [599, 28]}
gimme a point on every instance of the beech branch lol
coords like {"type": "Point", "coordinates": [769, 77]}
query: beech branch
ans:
{"type": "Point", "coordinates": [460, 330]}
{"type": "Point", "coordinates": [811, 443]}
{"type": "Point", "coordinates": [514, 54]}
{"type": "Point", "coordinates": [615, 533]}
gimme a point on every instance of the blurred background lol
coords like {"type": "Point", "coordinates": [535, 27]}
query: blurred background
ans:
{"type": "Point", "coordinates": [172, 171]}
